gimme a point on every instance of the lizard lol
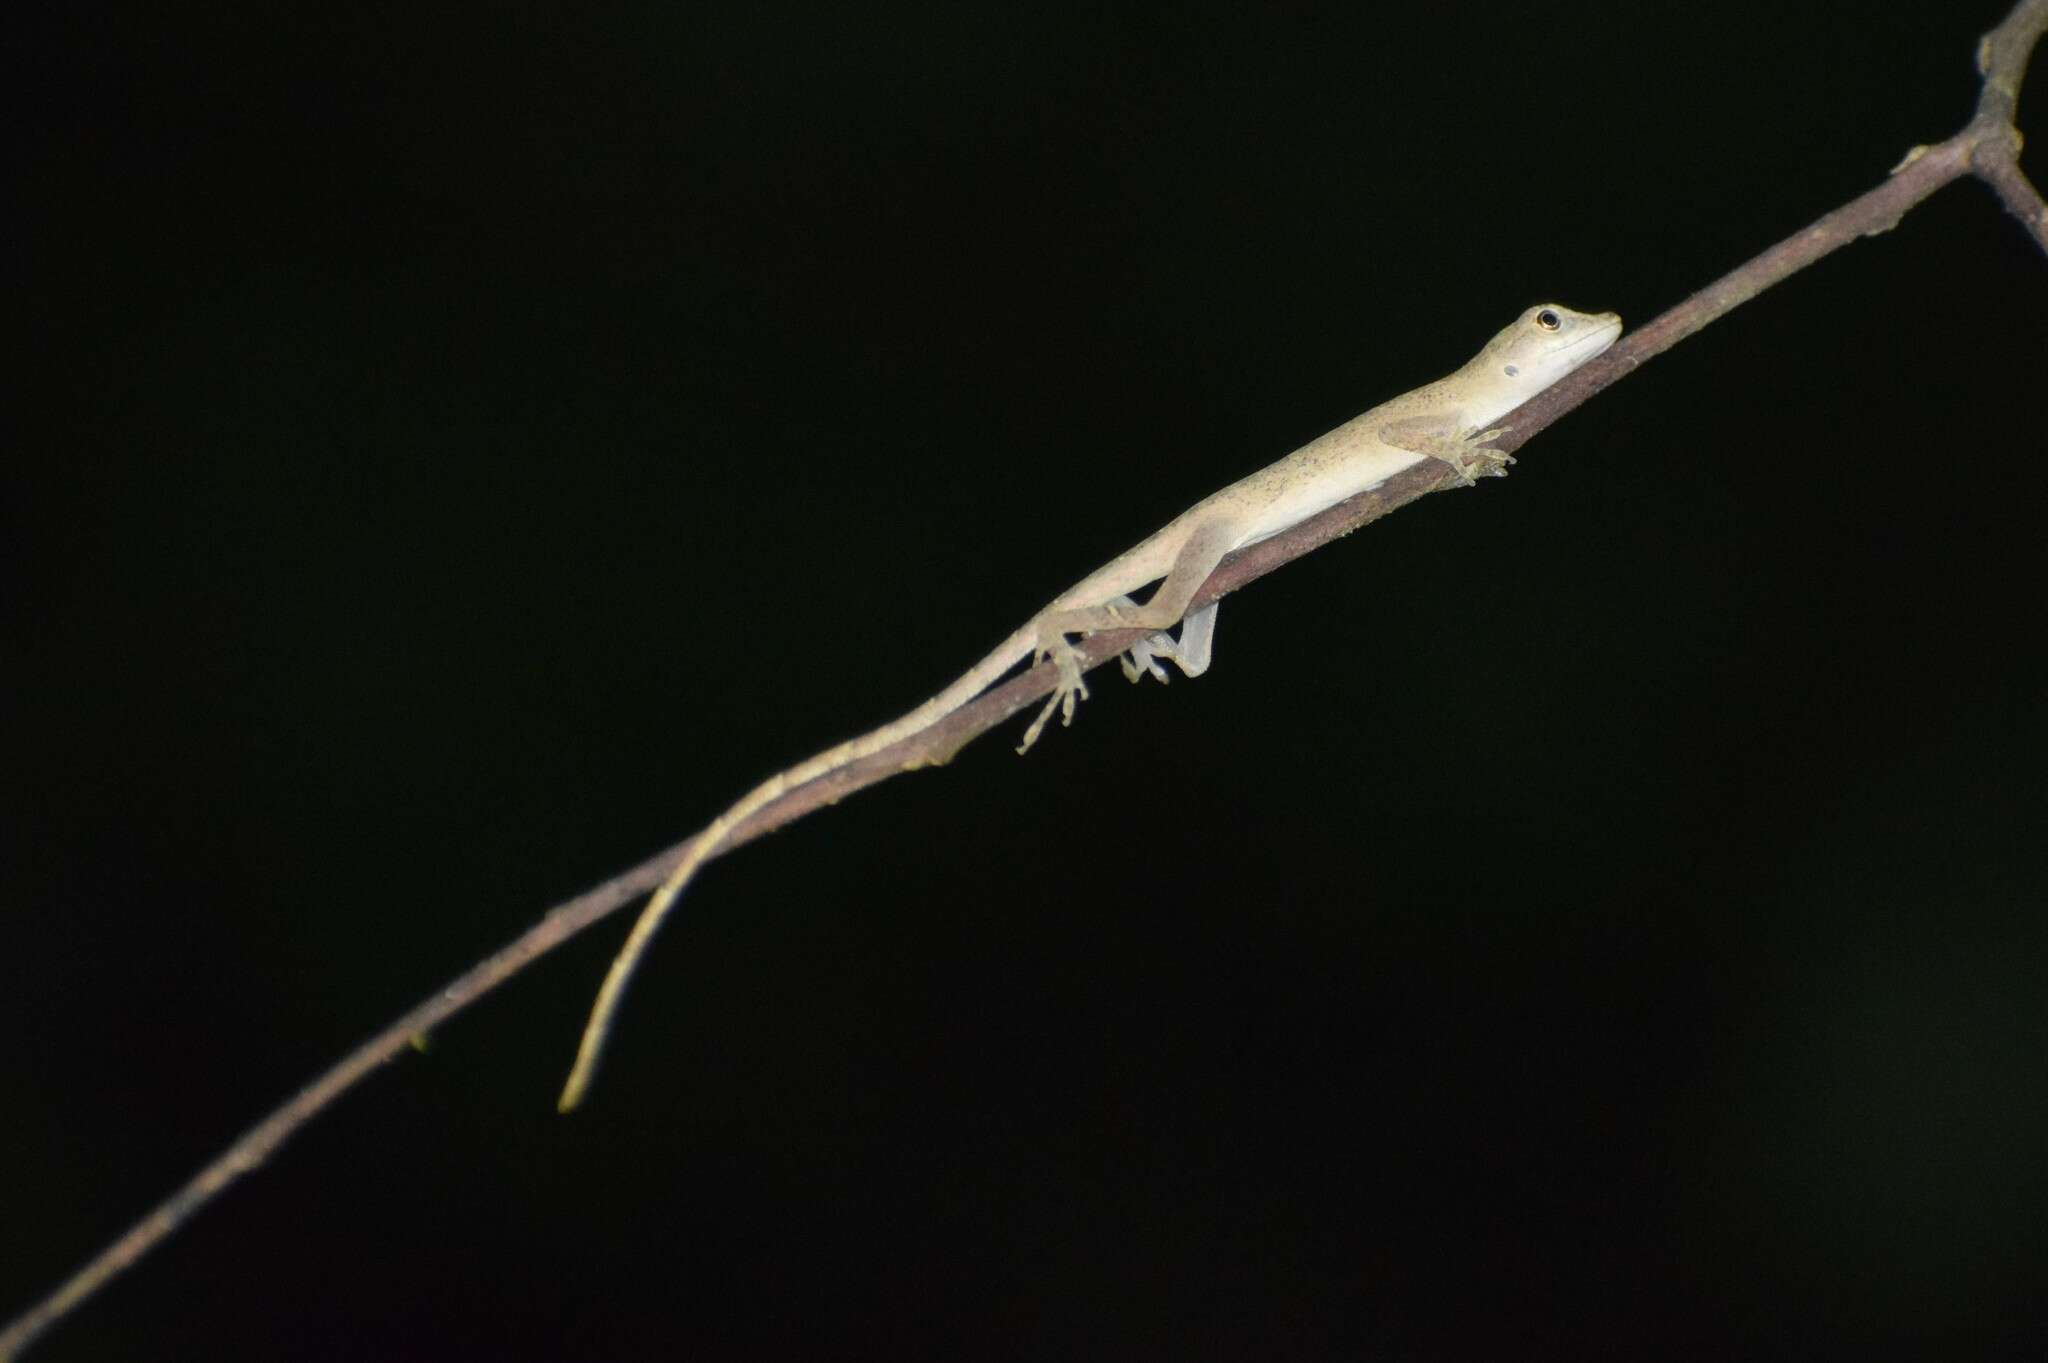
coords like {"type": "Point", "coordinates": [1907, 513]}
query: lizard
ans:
{"type": "Point", "coordinates": [1445, 420]}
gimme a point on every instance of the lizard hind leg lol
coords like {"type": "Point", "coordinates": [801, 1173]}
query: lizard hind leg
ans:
{"type": "Point", "coordinates": [1200, 551]}
{"type": "Point", "coordinates": [1190, 652]}
{"type": "Point", "coordinates": [1142, 657]}
{"type": "Point", "coordinates": [1068, 691]}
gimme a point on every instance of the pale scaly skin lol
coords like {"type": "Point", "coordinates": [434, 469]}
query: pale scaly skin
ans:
{"type": "Point", "coordinates": [1445, 420]}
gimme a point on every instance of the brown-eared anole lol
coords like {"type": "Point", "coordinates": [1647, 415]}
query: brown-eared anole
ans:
{"type": "Point", "coordinates": [1445, 420]}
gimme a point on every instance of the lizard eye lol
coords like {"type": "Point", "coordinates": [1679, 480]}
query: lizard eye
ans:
{"type": "Point", "coordinates": [1549, 320]}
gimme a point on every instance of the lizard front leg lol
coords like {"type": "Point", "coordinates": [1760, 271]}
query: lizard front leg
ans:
{"type": "Point", "coordinates": [1463, 449]}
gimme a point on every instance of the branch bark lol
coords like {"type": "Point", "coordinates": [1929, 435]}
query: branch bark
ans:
{"type": "Point", "coordinates": [1987, 148]}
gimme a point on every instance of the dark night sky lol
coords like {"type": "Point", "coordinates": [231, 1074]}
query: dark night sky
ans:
{"type": "Point", "coordinates": [1597, 916]}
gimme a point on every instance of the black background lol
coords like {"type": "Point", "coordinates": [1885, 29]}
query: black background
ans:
{"type": "Point", "coordinates": [1595, 916]}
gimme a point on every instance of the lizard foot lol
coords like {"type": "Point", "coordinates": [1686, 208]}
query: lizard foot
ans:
{"type": "Point", "coordinates": [1066, 693]}
{"type": "Point", "coordinates": [1468, 456]}
{"type": "Point", "coordinates": [1143, 657]}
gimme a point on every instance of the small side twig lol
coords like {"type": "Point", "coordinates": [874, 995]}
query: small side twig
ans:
{"type": "Point", "coordinates": [1994, 134]}
{"type": "Point", "coordinates": [1986, 149]}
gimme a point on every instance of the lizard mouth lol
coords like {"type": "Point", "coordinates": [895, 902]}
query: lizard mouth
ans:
{"type": "Point", "coordinates": [1602, 336]}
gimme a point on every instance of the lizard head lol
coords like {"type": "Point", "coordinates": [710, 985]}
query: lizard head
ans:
{"type": "Point", "coordinates": [1543, 345]}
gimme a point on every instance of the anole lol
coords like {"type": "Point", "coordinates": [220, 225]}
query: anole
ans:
{"type": "Point", "coordinates": [1444, 420]}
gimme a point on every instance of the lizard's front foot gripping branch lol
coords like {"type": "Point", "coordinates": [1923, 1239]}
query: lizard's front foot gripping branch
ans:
{"type": "Point", "coordinates": [1469, 458]}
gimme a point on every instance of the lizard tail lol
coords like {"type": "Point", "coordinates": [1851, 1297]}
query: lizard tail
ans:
{"type": "Point", "coordinates": [971, 684]}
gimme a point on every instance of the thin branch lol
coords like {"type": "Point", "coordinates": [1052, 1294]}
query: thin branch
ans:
{"type": "Point", "coordinates": [1987, 148]}
{"type": "Point", "coordinates": [1995, 148]}
{"type": "Point", "coordinates": [1998, 165]}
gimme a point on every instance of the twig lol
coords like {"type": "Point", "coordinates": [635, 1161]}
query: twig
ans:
{"type": "Point", "coordinates": [1986, 148]}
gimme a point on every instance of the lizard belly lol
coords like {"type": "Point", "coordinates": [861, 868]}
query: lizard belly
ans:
{"type": "Point", "coordinates": [1315, 489]}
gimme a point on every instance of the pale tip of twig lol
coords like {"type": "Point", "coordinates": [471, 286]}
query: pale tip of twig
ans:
{"type": "Point", "coordinates": [578, 1083]}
